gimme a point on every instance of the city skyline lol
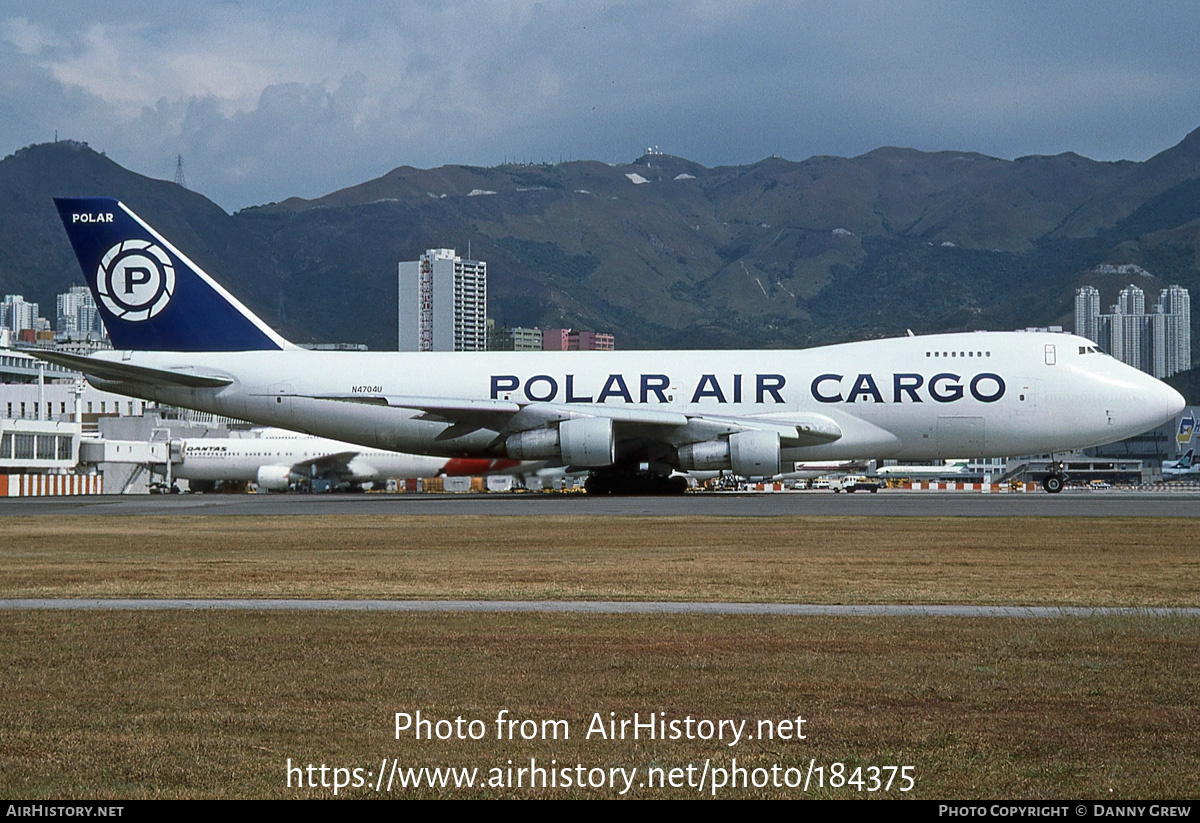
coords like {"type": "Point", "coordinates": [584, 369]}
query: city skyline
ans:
{"type": "Point", "coordinates": [1158, 342]}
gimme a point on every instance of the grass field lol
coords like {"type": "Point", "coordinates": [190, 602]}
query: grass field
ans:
{"type": "Point", "coordinates": [1024, 561]}
{"type": "Point", "coordinates": [185, 704]}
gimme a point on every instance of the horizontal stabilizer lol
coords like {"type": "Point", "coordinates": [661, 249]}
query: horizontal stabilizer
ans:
{"type": "Point", "coordinates": [127, 373]}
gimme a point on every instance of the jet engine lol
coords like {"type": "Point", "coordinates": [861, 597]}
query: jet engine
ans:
{"type": "Point", "coordinates": [749, 454]}
{"type": "Point", "coordinates": [274, 478]}
{"type": "Point", "coordinates": [587, 441]}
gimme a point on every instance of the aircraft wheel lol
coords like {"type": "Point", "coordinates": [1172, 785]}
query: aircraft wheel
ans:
{"type": "Point", "coordinates": [610, 484]}
{"type": "Point", "coordinates": [635, 485]}
{"type": "Point", "coordinates": [1053, 483]}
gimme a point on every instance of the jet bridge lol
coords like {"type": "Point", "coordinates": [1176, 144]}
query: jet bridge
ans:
{"type": "Point", "coordinates": [130, 463]}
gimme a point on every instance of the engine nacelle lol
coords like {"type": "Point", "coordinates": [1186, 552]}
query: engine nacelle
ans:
{"type": "Point", "coordinates": [706, 456]}
{"type": "Point", "coordinates": [588, 441]}
{"type": "Point", "coordinates": [536, 444]}
{"type": "Point", "coordinates": [274, 478]}
{"type": "Point", "coordinates": [754, 454]}
{"type": "Point", "coordinates": [749, 454]}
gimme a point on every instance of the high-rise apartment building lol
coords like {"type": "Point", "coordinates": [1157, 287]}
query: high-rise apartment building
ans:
{"type": "Point", "coordinates": [1158, 342]}
{"type": "Point", "coordinates": [443, 303]}
{"type": "Point", "coordinates": [1087, 313]}
{"type": "Point", "coordinates": [18, 314]}
{"type": "Point", "coordinates": [77, 317]}
{"type": "Point", "coordinates": [1176, 306]}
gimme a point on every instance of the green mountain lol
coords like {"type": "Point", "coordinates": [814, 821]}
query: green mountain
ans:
{"type": "Point", "coordinates": [662, 251]}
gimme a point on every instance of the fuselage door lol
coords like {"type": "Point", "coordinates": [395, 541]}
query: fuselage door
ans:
{"type": "Point", "coordinates": [281, 400]}
{"type": "Point", "coordinates": [1027, 394]}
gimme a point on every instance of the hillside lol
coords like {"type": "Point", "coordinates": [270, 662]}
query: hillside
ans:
{"type": "Point", "coordinates": [663, 251]}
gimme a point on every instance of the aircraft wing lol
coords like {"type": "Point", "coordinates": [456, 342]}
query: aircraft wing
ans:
{"type": "Point", "coordinates": [799, 429]}
{"type": "Point", "coordinates": [508, 417]}
{"type": "Point", "coordinates": [128, 373]}
{"type": "Point", "coordinates": [337, 465]}
{"type": "Point", "coordinates": [465, 415]}
{"type": "Point", "coordinates": [432, 405]}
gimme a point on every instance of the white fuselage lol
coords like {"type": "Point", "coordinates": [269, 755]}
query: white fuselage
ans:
{"type": "Point", "coordinates": [974, 394]}
{"type": "Point", "coordinates": [243, 458]}
{"type": "Point", "coordinates": [942, 470]}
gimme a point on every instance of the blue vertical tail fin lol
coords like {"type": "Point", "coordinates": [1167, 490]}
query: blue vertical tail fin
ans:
{"type": "Point", "coordinates": [149, 294]}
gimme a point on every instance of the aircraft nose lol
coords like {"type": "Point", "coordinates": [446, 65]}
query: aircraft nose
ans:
{"type": "Point", "coordinates": [1150, 403]}
{"type": "Point", "coordinates": [1161, 399]}
{"type": "Point", "coordinates": [1173, 401]}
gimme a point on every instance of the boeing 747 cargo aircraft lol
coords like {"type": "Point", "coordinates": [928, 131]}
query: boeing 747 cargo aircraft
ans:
{"type": "Point", "coordinates": [629, 418]}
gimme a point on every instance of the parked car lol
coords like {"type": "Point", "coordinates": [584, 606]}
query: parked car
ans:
{"type": "Point", "coordinates": [857, 482]}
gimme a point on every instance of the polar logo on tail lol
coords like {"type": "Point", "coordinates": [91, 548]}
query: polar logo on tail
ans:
{"type": "Point", "coordinates": [135, 280]}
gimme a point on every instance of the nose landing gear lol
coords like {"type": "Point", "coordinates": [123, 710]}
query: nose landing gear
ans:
{"type": "Point", "coordinates": [1054, 481]}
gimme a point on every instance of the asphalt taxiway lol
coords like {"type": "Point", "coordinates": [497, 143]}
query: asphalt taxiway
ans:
{"type": "Point", "coordinates": [779, 504]}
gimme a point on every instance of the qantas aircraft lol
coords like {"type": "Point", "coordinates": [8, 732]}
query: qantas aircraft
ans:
{"type": "Point", "coordinates": [276, 459]}
{"type": "Point", "coordinates": [627, 417]}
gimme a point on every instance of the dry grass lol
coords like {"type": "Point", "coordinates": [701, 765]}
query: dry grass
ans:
{"type": "Point", "coordinates": [102, 705]}
{"type": "Point", "coordinates": [1051, 561]}
{"type": "Point", "coordinates": [176, 704]}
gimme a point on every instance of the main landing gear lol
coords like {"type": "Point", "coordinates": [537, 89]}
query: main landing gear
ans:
{"type": "Point", "coordinates": [1054, 481]}
{"type": "Point", "coordinates": [642, 484]}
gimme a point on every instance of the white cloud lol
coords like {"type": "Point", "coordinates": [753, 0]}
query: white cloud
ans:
{"type": "Point", "coordinates": [300, 98]}
{"type": "Point", "coordinates": [29, 38]}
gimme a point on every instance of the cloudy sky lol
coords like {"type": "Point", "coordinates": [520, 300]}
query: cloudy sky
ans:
{"type": "Point", "coordinates": [265, 100]}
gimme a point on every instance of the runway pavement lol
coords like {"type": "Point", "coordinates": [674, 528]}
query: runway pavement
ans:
{"type": "Point", "coordinates": [1080, 503]}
